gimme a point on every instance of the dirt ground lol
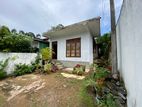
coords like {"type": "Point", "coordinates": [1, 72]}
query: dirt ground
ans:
{"type": "Point", "coordinates": [38, 90]}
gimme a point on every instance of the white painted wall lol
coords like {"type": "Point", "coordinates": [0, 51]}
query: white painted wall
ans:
{"type": "Point", "coordinates": [86, 47]}
{"type": "Point", "coordinates": [16, 58]}
{"type": "Point", "coordinates": [35, 44]}
{"type": "Point", "coordinates": [129, 42]}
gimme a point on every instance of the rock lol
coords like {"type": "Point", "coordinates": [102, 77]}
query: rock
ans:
{"type": "Point", "coordinates": [64, 86]}
{"type": "Point", "coordinates": [122, 96]}
{"type": "Point", "coordinates": [118, 83]}
{"type": "Point", "coordinates": [115, 76]}
{"type": "Point", "coordinates": [106, 90]}
{"type": "Point", "coordinates": [122, 90]}
{"type": "Point", "coordinates": [119, 103]}
{"type": "Point", "coordinates": [58, 101]}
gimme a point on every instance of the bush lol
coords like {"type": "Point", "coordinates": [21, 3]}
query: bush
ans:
{"type": "Point", "coordinates": [108, 101]}
{"type": "Point", "coordinates": [3, 74]}
{"type": "Point", "coordinates": [79, 69]}
{"type": "Point", "coordinates": [46, 54]}
{"type": "Point", "coordinates": [101, 73]}
{"type": "Point", "coordinates": [36, 63]}
{"type": "Point", "coordinates": [14, 42]}
{"type": "Point", "coordinates": [48, 68]}
{"type": "Point", "coordinates": [3, 65]}
{"type": "Point", "coordinates": [22, 69]}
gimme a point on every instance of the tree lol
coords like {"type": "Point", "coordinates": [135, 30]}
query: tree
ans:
{"type": "Point", "coordinates": [4, 31]}
{"type": "Point", "coordinates": [14, 31]}
{"type": "Point", "coordinates": [104, 43]}
{"type": "Point", "coordinates": [31, 34]}
{"type": "Point", "coordinates": [21, 32]}
{"type": "Point", "coordinates": [58, 27]}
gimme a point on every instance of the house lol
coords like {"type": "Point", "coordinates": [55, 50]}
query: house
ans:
{"type": "Point", "coordinates": [40, 43]}
{"type": "Point", "coordinates": [75, 44]}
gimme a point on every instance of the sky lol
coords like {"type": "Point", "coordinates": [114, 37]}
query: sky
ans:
{"type": "Point", "coordinates": [39, 16]}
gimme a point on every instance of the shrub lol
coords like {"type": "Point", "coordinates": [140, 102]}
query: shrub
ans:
{"type": "Point", "coordinates": [104, 43]}
{"type": "Point", "coordinates": [3, 65]}
{"type": "Point", "coordinates": [79, 69]}
{"type": "Point", "coordinates": [36, 63]}
{"type": "Point", "coordinates": [108, 101]}
{"type": "Point", "coordinates": [22, 69]}
{"type": "Point", "coordinates": [3, 74]}
{"type": "Point", "coordinates": [48, 68]}
{"type": "Point", "coordinates": [46, 54]}
{"type": "Point", "coordinates": [101, 73]}
{"type": "Point", "coordinates": [15, 43]}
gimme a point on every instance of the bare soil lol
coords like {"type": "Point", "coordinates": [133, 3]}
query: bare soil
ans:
{"type": "Point", "coordinates": [38, 90]}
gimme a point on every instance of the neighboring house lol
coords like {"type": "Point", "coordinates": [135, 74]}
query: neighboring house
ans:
{"type": "Point", "coordinates": [40, 43]}
{"type": "Point", "coordinates": [75, 44]}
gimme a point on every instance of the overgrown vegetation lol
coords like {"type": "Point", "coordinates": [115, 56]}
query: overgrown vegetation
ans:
{"type": "Point", "coordinates": [3, 65]}
{"type": "Point", "coordinates": [104, 45]}
{"type": "Point", "coordinates": [46, 54]}
{"type": "Point", "coordinates": [13, 41]}
{"type": "Point", "coordinates": [21, 69]}
{"type": "Point", "coordinates": [86, 98]}
{"type": "Point", "coordinates": [48, 66]}
{"type": "Point", "coordinates": [107, 90]}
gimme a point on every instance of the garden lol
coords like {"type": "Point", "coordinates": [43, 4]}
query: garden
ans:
{"type": "Point", "coordinates": [43, 82]}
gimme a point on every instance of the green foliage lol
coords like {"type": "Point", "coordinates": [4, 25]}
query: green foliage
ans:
{"type": "Point", "coordinates": [3, 74]}
{"type": "Point", "coordinates": [36, 64]}
{"type": "Point", "coordinates": [4, 31]}
{"type": "Point", "coordinates": [48, 68]}
{"type": "Point", "coordinates": [78, 69]}
{"type": "Point", "coordinates": [22, 44]}
{"type": "Point", "coordinates": [14, 31]}
{"type": "Point", "coordinates": [21, 69]}
{"type": "Point", "coordinates": [101, 73]}
{"type": "Point", "coordinates": [46, 54]}
{"type": "Point", "coordinates": [13, 41]}
{"type": "Point", "coordinates": [104, 43]}
{"type": "Point", "coordinates": [108, 101]}
{"type": "Point", "coordinates": [86, 97]}
{"type": "Point", "coordinates": [3, 65]}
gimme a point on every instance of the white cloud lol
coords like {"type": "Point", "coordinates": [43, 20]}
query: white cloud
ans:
{"type": "Point", "coordinates": [39, 15]}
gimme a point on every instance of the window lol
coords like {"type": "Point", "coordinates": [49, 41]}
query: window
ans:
{"type": "Point", "coordinates": [73, 47]}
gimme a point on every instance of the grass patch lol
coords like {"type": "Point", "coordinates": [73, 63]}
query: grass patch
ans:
{"type": "Point", "coordinates": [86, 98]}
{"type": "Point", "coordinates": [73, 81]}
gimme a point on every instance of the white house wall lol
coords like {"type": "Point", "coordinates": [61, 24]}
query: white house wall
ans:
{"type": "Point", "coordinates": [129, 42]}
{"type": "Point", "coordinates": [86, 48]}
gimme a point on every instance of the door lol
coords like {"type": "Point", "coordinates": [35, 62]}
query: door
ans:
{"type": "Point", "coordinates": [54, 48]}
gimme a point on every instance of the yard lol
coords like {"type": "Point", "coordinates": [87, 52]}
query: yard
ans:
{"type": "Point", "coordinates": [36, 90]}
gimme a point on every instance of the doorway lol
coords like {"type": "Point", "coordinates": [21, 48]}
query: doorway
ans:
{"type": "Point", "coordinates": [54, 48]}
